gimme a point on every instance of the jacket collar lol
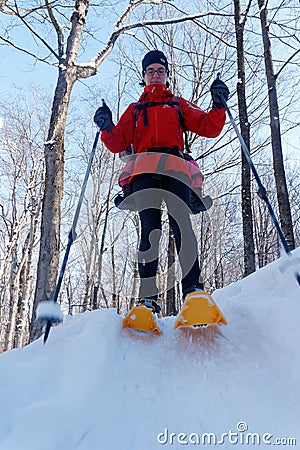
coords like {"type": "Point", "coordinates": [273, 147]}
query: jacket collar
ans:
{"type": "Point", "coordinates": [155, 92]}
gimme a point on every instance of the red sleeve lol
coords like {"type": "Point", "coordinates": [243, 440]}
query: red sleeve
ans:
{"type": "Point", "coordinates": [204, 124]}
{"type": "Point", "coordinates": [120, 136]}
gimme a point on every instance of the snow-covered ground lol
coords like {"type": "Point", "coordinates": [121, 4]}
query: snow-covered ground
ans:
{"type": "Point", "coordinates": [96, 386]}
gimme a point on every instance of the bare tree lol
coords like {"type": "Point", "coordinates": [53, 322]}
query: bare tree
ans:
{"type": "Point", "coordinates": [249, 255]}
{"type": "Point", "coordinates": [278, 164]}
{"type": "Point", "coordinates": [22, 169]}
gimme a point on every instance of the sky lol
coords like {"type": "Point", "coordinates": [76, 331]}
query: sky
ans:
{"type": "Point", "coordinates": [18, 69]}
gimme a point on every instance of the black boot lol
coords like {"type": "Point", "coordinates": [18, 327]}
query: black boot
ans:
{"type": "Point", "coordinates": [150, 303]}
{"type": "Point", "coordinates": [195, 288]}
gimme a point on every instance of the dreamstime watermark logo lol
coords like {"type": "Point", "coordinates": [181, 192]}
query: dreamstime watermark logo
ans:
{"type": "Point", "coordinates": [240, 436]}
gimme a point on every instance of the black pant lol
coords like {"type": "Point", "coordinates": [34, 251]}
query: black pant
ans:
{"type": "Point", "coordinates": [149, 192]}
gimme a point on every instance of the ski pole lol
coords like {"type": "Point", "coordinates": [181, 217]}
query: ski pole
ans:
{"type": "Point", "coordinates": [262, 192]}
{"type": "Point", "coordinates": [72, 233]}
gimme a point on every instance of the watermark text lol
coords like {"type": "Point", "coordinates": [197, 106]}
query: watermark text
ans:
{"type": "Point", "coordinates": [239, 436]}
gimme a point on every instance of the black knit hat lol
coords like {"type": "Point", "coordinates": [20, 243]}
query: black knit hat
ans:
{"type": "Point", "coordinates": [155, 56]}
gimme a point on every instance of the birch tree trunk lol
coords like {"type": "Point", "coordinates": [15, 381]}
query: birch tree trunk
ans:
{"type": "Point", "coordinates": [48, 262]}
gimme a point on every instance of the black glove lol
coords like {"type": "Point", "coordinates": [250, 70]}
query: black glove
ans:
{"type": "Point", "coordinates": [103, 116]}
{"type": "Point", "coordinates": [219, 87]}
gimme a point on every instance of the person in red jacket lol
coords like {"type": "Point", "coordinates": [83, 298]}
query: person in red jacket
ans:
{"type": "Point", "coordinates": [154, 128]}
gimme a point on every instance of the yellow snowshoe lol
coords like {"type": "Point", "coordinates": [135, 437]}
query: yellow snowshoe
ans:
{"type": "Point", "coordinates": [141, 318]}
{"type": "Point", "coordinates": [199, 309]}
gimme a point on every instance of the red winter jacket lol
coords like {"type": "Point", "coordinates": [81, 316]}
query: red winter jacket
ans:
{"type": "Point", "coordinates": [163, 128]}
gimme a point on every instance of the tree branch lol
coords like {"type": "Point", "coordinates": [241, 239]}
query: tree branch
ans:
{"type": "Point", "coordinates": [286, 63]}
{"type": "Point", "coordinates": [246, 13]}
{"type": "Point", "coordinates": [128, 11]}
{"type": "Point", "coordinates": [78, 22]}
{"type": "Point", "coordinates": [25, 51]}
{"type": "Point", "coordinates": [37, 35]}
{"type": "Point", "coordinates": [58, 28]}
{"type": "Point", "coordinates": [2, 4]}
{"type": "Point", "coordinates": [95, 62]}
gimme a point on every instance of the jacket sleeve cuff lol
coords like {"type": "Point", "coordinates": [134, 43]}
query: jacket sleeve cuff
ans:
{"type": "Point", "coordinates": [108, 129]}
{"type": "Point", "coordinates": [217, 108]}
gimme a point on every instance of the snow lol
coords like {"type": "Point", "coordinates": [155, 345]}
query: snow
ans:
{"type": "Point", "coordinates": [49, 310]}
{"type": "Point", "coordinates": [96, 386]}
{"type": "Point", "coordinates": [50, 142]}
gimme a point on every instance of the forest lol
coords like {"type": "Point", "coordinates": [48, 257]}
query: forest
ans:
{"type": "Point", "coordinates": [95, 49]}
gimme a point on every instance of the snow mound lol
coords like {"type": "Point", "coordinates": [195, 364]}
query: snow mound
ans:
{"type": "Point", "coordinates": [97, 386]}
